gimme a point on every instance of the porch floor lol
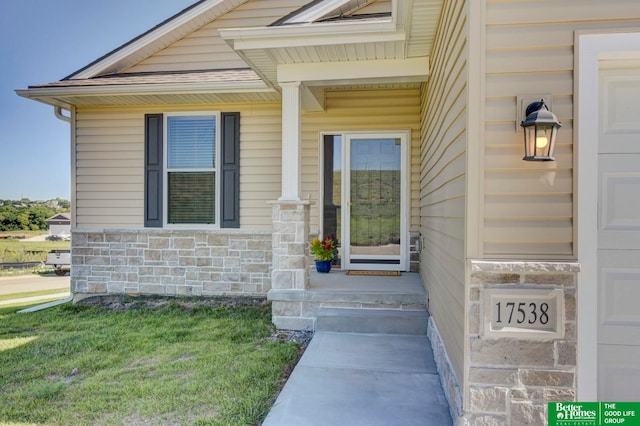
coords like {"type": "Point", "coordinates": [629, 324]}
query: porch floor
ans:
{"type": "Point", "coordinates": [338, 281]}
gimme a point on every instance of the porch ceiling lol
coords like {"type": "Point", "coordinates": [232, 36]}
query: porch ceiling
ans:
{"type": "Point", "coordinates": [407, 34]}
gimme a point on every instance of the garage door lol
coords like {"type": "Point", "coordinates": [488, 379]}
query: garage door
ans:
{"type": "Point", "coordinates": [618, 333]}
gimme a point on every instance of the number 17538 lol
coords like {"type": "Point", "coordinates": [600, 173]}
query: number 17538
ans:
{"type": "Point", "coordinates": [526, 313]}
{"type": "Point", "coordinates": [509, 313]}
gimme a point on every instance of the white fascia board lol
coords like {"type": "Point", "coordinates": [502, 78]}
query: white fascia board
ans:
{"type": "Point", "coordinates": [145, 89]}
{"type": "Point", "coordinates": [47, 100]}
{"type": "Point", "coordinates": [412, 69]}
{"type": "Point", "coordinates": [311, 35]}
{"type": "Point", "coordinates": [149, 38]}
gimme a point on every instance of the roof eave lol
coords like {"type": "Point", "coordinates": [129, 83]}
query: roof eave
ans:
{"type": "Point", "coordinates": [50, 95]}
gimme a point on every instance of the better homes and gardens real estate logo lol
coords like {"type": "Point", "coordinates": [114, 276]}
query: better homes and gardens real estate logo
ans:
{"type": "Point", "coordinates": [594, 413]}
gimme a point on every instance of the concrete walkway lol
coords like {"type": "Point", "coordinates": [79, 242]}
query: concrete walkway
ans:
{"type": "Point", "coordinates": [363, 379]}
{"type": "Point", "coordinates": [25, 300]}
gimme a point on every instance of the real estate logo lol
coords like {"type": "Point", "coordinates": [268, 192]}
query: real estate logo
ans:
{"type": "Point", "coordinates": [593, 413]}
{"type": "Point", "coordinates": [573, 413]}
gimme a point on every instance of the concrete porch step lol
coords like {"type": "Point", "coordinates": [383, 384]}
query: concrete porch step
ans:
{"type": "Point", "coordinates": [372, 321]}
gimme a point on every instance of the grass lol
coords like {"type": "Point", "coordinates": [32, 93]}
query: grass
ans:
{"type": "Point", "coordinates": [169, 365]}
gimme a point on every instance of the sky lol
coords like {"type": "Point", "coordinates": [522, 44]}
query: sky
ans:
{"type": "Point", "coordinates": [43, 41]}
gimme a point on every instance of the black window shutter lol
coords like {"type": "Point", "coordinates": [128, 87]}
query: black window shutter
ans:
{"type": "Point", "coordinates": [230, 183]}
{"type": "Point", "coordinates": [153, 129]}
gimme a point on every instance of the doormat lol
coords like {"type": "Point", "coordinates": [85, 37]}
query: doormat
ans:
{"type": "Point", "coordinates": [375, 273]}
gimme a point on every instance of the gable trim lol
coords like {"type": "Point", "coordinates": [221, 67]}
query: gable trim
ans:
{"type": "Point", "coordinates": [161, 35]}
{"type": "Point", "coordinates": [323, 9]}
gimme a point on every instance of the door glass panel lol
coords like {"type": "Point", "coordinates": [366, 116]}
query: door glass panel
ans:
{"type": "Point", "coordinates": [331, 204]}
{"type": "Point", "coordinates": [375, 199]}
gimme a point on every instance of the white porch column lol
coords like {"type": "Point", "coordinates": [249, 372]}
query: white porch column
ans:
{"type": "Point", "coordinates": [291, 141]}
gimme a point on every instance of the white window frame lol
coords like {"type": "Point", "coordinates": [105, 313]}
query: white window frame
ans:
{"type": "Point", "coordinates": [165, 171]}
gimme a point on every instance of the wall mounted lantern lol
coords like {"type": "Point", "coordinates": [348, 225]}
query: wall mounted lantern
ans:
{"type": "Point", "coordinates": [540, 130]}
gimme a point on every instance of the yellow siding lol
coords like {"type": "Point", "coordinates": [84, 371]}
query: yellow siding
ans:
{"type": "Point", "coordinates": [204, 49]}
{"type": "Point", "coordinates": [442, 165]}
{"type": "Point", "coordinates": [360, 110]}
{"type": "Point", "coordinates": [110, 164]}
{"type": "Point", "coordinates": [529, 206]}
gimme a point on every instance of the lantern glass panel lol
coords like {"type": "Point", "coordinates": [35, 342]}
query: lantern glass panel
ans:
{"type": "Point", "coordinates": [529, 141]}
{"type": "Point", "coordinates": [542, 140]}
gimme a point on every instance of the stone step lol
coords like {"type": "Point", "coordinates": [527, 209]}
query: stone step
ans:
{"type": "Point", "coordinates": [373, 321]}
{"type": "Point", "coordinates": [364, 298]}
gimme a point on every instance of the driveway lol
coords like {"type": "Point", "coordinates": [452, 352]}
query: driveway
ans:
{"type": "Point", "coordinates": [29, 283]}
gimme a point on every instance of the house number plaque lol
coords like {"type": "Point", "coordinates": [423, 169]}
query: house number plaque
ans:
{"type": "Point", "coordinates": [525, 313]}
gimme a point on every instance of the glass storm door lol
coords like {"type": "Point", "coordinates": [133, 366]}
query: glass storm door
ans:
{"type": "Point", "coordinates": [375, 192]}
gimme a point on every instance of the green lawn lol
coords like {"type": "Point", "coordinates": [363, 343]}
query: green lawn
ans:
{"type": "Point", "coordinates": [171, 364]}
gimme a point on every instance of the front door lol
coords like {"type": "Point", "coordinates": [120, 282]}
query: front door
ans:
{"type": "Point", "coordinates": [375, 191]}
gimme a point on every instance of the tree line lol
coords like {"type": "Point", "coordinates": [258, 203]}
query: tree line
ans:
{"type": "Point", "coordinates": [28, 215]}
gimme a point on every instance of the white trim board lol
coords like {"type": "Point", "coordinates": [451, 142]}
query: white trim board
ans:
{"type": "Point", "coordinates": [590, 49]}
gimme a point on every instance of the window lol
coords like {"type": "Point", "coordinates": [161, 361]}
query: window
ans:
{"type": "Point", "coordinates": [191, 169]}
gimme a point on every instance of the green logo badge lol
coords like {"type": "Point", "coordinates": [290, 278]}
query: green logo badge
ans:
{"type": "Point", "coordinates": [593, 413]}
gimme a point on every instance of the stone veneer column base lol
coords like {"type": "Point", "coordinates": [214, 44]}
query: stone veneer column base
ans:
{"type": "Point", "coordinates": [290, 244]}
{"type": "Point", "coordinates": [510, 380]}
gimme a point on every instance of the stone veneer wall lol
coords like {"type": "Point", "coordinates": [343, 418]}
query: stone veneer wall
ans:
{"type": "Point", "coordinates": [448, 379]}
{"type": "Point", "coordinates": [170, 262]}
{"type": "Point", "coordinates": [510, 380]}
{"type": "Point", "coordinates": [415, 247]}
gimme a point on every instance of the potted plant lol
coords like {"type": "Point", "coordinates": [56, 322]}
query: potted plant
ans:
{"type": "Point", "coordinates": [324, 252]}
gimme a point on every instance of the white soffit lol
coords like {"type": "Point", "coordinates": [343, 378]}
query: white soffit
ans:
{"type": "Point", "coordinates": [379, 71]}
{"type": "Point", "coordinates": [265, 48]}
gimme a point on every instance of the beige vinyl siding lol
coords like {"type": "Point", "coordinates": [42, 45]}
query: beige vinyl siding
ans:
{"type": "Point", "coordinates": [204, 49]}
{"type": "Point", "coordinates": [380, 6]}
{"type": "Point", "coordinates": [360, 110]}
{"type": "Point", "coordinates": [110, 164]}
{"type": "Point", "coordinates": [109, 169]}
{"type": "Point", "coordinates": [443, 179]}
{"type": "Point", "coordinates": [529, 206]}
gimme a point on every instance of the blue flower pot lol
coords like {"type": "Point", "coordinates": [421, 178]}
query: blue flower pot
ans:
{"type": "Point", "coordinates": [323, 266]}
